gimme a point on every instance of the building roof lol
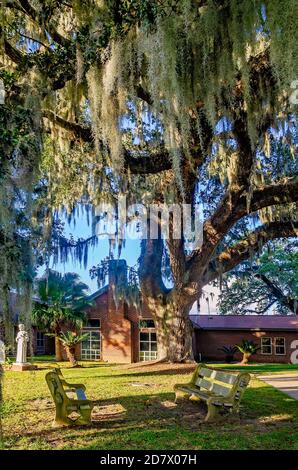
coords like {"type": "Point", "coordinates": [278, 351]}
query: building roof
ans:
{"type": "Point", "coordinates": [98, 293]}
{"type": "Point", "coordinates": [245, 322]}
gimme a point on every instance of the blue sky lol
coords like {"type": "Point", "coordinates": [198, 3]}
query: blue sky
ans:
{"type": "Point", "coordinates": [81, 229]}
{"type": "Point", "coordinates": [131, 253]}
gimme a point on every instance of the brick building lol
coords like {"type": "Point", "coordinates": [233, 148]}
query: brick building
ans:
{"type": "Point", "coordinates": [115, 333]}
{"type": "Point", "coordinates": [124, 334]}
{"type": "Point", "coordinates": [274, 334]}
{"type": "Point", "coordinates": [119, 333]}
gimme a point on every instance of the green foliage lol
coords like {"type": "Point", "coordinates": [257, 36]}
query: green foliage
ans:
{"type": "Point", "coordinates": [229, 351]}
{"type": "Point", "coordinates": [267, 281]}
{"type": "Point", "coordinates": [184, 54]}
{"type": "Point", "coordinates": [71, 339]}
{"type": "Point", "coordinates": [62, 299]}
{"type": "Point", "coordinates": [247, 347]}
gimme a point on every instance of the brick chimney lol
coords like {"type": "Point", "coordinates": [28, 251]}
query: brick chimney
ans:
{"type": "Point", "coordinates": [116, 329]}
{"type": "Point", "coordinates": [117, 272]}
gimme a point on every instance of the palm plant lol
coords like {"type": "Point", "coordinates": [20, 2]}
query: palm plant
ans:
{"type": "Point", "coordinates": [229, 352]}
{"type": "Point", "coordinates": [70, 339]}
{"type": "Point", "coordinates": [247, 348]}
{"type": "Point", "coordinates": [61, 302]}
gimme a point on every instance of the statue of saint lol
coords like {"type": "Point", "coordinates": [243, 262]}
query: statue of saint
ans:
{"type": "Point", "coordinates": [22, 340]}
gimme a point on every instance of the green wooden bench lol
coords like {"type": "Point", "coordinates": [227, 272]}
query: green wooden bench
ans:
{"type": "Point", "coordinates": [69, 410]}
{"type": "Point", "coordinates": [76, 389]}
{"type": "Point", "coordinates": [221, 390]}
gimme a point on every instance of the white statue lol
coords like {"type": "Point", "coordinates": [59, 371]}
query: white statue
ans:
{"type": "Point", "coordinates": [2, 352]}
{"type": "Point", "coordinates": [22, 340]}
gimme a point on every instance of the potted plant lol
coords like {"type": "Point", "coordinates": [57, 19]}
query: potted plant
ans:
{"type": "Point", "coordinates": [229, 352]}
{"type": "Point", "coordinates": [247, 348]}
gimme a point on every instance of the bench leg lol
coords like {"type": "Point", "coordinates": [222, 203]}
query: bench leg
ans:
{"type": "Point", "coordinates": [85, 418]}
{"type": "Point", "coordinates": [213, 413]}
{"type": "Point", "coordinates": [180, 394]}
{"type": "Point", "coordinates": [61, 418]}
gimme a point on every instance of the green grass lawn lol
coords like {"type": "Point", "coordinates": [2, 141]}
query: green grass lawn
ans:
{"type": "Point", "coordinates": [135, 410]}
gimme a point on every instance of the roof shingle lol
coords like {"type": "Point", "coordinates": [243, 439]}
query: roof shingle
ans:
{"type": "Point", "coordinates": [245, 322]}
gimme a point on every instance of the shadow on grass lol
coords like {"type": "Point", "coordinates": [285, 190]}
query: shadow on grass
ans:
{"type": "Point", "coordinates": [261, 407]}
{"type": "Point", "coordinates": [136, 373]}
{"type": "Point", "coordinates": [258, 368]}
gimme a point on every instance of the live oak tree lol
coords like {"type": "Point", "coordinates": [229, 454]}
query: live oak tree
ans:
{"type": "Point", "coordinates": [166, 102]}
{"type": "Point", "coordinates": [263, 283]}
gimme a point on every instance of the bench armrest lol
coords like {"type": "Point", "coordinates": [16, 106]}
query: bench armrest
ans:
{"type": "Point", "coordinates": [82, 402]}
{"type": "Point", "coordinates": [75, 386]}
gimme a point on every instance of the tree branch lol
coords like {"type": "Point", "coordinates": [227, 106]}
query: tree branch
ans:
{"type": "Point", "coordinates": [233, 256]}
{"type": "Point", "coordinates": [139, 163]}
{"type": "Point", "coordinates": [217, 227]}
{"type": "Point", "coordinates": [33, 15]}
{"type": "Point", "coordinates": [14, 54]}
{"type": "Point", "coordinates": [80, 132]}
{"type": "Point", "coordinates": [278, 294]}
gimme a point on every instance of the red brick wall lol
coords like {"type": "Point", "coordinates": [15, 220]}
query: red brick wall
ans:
{"type": "Point", "coordinates": [135, 315]}
{"type": "Point", "coordinates": [116, 341]}
{"type": "Point", "coordinates": [49, 343]}
{"type": "Point", "coordinates": [208, 342]}
{"type": "Point", "coordinates": [116, 333]}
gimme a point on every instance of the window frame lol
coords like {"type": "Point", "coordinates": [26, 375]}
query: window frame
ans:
{"type": "Point", "coordinates": [40, 342]}
{"type": "Point", "coordinates": [97, 353]}
{"type": "Point", "coordinates": [150, 354]}
{"type": "Point", "coordinates": [271, 346]}
{"type": "Point", "coordinates": [284, 346]}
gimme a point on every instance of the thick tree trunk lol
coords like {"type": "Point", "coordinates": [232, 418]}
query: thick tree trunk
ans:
{"type": "Point", "coordinates": [1, 405]}
{"type": "Point", "coordinates": [169, 307]}
{"type": "Point", "coordinates": [174, 331]}
{"type": "Point", "coordinates": [58, 349]}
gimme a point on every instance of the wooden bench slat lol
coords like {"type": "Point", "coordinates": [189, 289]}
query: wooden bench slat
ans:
{"type": "Point", "coordinates": [80, 394]}
{"type": "Point", "coordinates": [202, 383]}
{"type": "Point", "coordinates": [204, 372]}
{"type": "Point", "coordinates": [226, 378]}
{"type": "Point", "coordinates": [219, 389]}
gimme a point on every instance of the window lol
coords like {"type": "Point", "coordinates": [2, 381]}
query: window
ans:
{"type": "Point", "coordinates": [91, 346]}
{"type": "Point", "coordinates": [147, 324]}
{"type": "Point", "coordinates": [280, 346]}
{"type": "Point", "coordinates": [266, 345]}
{"type": "Point", "coordinates": [148, 341]}
{"type": "Point", "coordinates": [40, 343]}
{"type": "Point", "coordinates": [93, 324]}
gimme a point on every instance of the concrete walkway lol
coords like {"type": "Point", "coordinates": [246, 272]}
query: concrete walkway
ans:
{"type": "Point", "coordinates": [287, 383]}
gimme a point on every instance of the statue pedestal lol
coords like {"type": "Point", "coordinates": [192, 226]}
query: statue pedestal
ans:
{"type": "Point", "coordinates": [20, 367]}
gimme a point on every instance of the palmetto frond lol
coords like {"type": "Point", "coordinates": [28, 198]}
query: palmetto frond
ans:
{"type": "Point", "coordinates": [62, 300]}
{"type": "Point", "coordinates": [70, 339]}
{"type": "Point", "coordinates": [247, 346]}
